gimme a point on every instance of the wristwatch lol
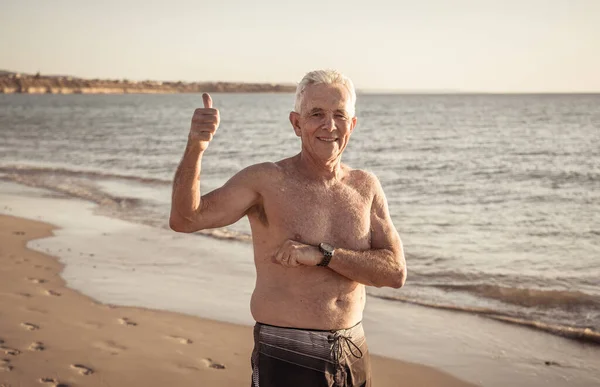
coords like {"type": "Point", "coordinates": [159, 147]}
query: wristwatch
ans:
{"type": "Point", "coordinates": [328, 251]}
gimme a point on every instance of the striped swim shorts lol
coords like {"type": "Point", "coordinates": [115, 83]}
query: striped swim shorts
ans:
{"type": "Point", "coordinates": [289, 357]}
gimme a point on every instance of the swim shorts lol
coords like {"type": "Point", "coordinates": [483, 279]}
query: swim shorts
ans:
{"type": "Point", "coordinates": [289, 357]}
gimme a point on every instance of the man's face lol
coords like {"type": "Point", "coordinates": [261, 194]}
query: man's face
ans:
{"type": "Point", "coordinates": [324, 123]}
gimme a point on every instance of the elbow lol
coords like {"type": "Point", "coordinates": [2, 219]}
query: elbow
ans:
{"type": "Point", "coordinates": [181, 225]}
{"type": "Point", "coordinates": [395, 279]}
{"type": "Point", "coordinates": [177, 226]}
{"type": "Point", "coordinates": [399, 279]}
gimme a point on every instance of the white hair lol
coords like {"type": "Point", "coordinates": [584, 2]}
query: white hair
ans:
{"type": "Point", "coordinates": [328, 77]}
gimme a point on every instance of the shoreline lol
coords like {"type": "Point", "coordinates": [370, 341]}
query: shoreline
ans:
{"type": "Point", "coordinates": [578, 333]}
{"type": "Point", "coordinates": [51, 331]}
{"type": "Point", "coordinates": [511, 303]}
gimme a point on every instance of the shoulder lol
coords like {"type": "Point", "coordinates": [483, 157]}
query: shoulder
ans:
{"type": "Point", "coordinates": [253, 176]}
{"type": "Point", "coordinates": [365, 180]}
{"type": "Point", "coordinates": [261, 175]}
{"type": "Point", "coordinates": [259, 170]}
{"type": "Point", "coordinates": [370, 187]}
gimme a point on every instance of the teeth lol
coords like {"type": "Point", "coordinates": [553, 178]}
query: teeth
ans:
{"type": "Point", "coordinates": [327, 139]}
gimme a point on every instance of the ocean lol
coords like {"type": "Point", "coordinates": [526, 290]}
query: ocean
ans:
{"type": "Point", "coordinates": [496, 197]}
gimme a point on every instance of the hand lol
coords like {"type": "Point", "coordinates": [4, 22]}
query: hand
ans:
{"type": "Point", "coordinates": [294, 254]}
{"type": "Point", "coordinates": [205, 122]}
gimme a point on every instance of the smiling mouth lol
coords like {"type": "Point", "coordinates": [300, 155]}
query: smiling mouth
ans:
{"type": "Point", "coordinates": [328, 139]}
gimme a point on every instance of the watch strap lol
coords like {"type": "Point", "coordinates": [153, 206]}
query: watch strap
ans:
{"type": "Point", "coordinates": [327, 255]}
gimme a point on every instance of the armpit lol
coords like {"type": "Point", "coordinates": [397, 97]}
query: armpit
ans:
{"type": "Point", "coordinates": [258, 210]}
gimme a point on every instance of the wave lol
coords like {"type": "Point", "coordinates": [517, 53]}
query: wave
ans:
{"type": "Point", "coordinates": [576, 333]}
{"type": "Point", "coordinates": [560, 177]}
{"type": "Point", "coordinates": [527, 297]}
{"type": "Point", "coordinates": [77, 184]}
{"type": "Point", "coordinates": [39, 170]}
{"type": "Point", "coordinates": [80, 191]}
{"type": "Point", "coordinates": [541, 153]}
{"type": "Point", "coordinates": [227, 234]}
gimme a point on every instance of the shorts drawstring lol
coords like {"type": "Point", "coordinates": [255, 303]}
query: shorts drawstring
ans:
{"type": "Point", "coordinates": [337, 347]}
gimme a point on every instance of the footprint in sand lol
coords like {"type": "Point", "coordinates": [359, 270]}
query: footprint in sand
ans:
{"type": "Point", "coordinates": [37, 346]}
{"type": "Point", "coordinates": [36, 280]}
{"type": "Point", "coordinates": [53, 382]}
{"type": "Point", "coordinates": [52, 293]}
{"type": "Point", "coordinates": [126, 321]}
{"type": "Point", "coordinates": [30, 326]}
{"type": "Point", "coordinates": [182, 340]}
{"type": "Point", "coordinates": [9, 351]}
{"type": "Point", "coordinates": [83, 370]}
{"type": "Point", "coordinates": [211, 364]}
{"type": "Point", "coordinates": [5, 365]}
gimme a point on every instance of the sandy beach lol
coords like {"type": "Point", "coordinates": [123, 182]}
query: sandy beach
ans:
{"type": "Point", "coordinates": [53, 335]}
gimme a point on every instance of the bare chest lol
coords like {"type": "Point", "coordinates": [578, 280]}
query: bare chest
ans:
{"type": "Point", "coordinates": [312, 214]}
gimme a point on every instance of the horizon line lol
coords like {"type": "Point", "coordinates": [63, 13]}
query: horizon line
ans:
{"type": "Point", "coordinates": [358, 90]}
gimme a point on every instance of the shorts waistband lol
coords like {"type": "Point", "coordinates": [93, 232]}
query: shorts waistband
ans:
{"type": "Point", "coordinates": [328, 345]}
{"type": "Point", "coordinates": [311, 329]}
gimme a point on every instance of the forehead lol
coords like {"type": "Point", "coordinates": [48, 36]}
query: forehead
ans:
{"type": "Point", "coordinates": [327, 97]}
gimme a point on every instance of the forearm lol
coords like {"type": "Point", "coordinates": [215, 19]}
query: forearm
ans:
{"type": "Point", "coordinates": [186, 184]}
{"type": "Point", "coordinates": [381, 267]}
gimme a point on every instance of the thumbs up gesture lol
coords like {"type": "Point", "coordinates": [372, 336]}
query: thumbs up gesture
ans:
{"type": "Point", "coordinates": [205, 122]}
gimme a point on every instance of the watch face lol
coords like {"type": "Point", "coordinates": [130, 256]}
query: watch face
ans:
{"type": "Point", "coordinates": [327, 247]}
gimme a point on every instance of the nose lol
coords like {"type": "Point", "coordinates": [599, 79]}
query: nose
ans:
{"type": "Point", "coordinates": [329, 122]}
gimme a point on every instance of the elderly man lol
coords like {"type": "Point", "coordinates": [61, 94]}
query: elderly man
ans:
{"type": "Point", "coordinates": [321, 231]}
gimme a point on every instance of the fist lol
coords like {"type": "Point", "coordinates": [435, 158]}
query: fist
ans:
{"type": "Point", "coordinates": [293, 254]}
{"type": "Point", "coordinates": [205, 122]}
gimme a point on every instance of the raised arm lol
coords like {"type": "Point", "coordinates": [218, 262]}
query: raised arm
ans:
{"type": "Point", "coordinates": [190, 211]}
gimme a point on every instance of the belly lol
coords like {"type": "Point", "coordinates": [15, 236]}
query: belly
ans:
{"type": "Point", "coordinates": [306, 297]}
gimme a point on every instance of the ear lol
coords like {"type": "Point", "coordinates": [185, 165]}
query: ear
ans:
{"type": "Point", "coordinates": [295, 121]}
{"type": "Point", "coordinates": [353, 124]}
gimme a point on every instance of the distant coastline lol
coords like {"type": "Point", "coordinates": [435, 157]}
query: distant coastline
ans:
{"type": "Point", "coordinates": [12, 83]}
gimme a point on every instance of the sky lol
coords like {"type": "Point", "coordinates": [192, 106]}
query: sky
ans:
{"type": "Point", "coordinates": [393, 45]}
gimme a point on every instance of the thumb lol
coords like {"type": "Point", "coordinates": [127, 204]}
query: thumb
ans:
{"type": "Point", "coordinates": [207, 100]}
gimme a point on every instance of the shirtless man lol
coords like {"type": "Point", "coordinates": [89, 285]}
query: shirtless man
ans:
{"type": "Point", "coordinates": [321, 231]}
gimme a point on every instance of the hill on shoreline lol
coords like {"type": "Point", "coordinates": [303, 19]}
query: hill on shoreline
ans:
{"type": "Point", "coordinates": [13, 82]}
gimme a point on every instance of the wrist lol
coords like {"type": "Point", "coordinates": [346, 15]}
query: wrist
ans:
{"type": "Point", "coordinates": [327, 251]}
{"type": "Point", "coordinates": [194, 147]}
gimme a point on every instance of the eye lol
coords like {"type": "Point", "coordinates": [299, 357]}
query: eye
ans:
{"type": "Point", "coordinates": [316, 114]}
